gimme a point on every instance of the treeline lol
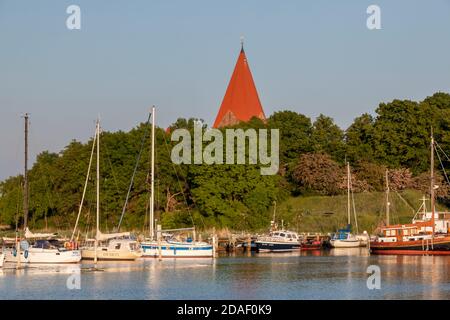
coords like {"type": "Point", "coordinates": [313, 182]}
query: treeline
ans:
{"type": "Point", "coordinates": [312, 156]}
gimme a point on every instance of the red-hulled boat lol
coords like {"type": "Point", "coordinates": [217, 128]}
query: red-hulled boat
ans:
{"type": "Point", "coordinates": [428, 235]}
{"type": "Point", "coordinates": [409, 239]}
{"type": "Point", "coordinates": [311, 245]}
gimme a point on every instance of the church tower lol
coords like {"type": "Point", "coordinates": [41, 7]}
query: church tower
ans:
{"type": "Point", "coordinates": [241, 101]}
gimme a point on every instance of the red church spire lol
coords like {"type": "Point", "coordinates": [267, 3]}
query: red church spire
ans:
{"type": "Point", "coordinates": [241, 101]}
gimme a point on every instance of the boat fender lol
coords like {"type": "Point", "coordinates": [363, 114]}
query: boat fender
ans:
{"type": "Point", "coordinates": [25, 254]}
{"type": "Point", "coordinates": [14, 252]}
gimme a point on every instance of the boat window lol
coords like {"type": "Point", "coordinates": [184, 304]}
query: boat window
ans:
{"type": "Point", "coordinates": [117, 246]}
{"type": "Point", "coordinates": [133, 246]}
{"type": "Point", "coordinates": [282, 235]}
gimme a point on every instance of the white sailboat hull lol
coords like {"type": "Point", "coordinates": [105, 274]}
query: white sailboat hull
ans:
{"type": "Point", "coordinates": [44, 256]}
{"type": "Point", "coordinates": [363, 240]}
{"type": "Point", "coordinates": [346, 243]}
{"type": "Point", "coordinates": [103, 253]}
{"type": "Point", "coordinates": [2, 259]}
{"type": "Point", "coordinates": [176, 250]}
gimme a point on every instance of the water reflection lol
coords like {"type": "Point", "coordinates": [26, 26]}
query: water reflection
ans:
{"type": "Point", "coordinates": [333, 274]}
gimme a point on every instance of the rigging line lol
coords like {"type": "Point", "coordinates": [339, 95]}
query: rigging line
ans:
{"type": "Point", "coordinates": [144, 138]}
{"type": "Point", "coordinates": [85, 185]}
{"type": "Point", "coordinates": [442, 150]}
{"type": "Point", "coordinates": [111, 166]}
{"type": "Point", "coordinates": [404, 200]}
{"type": "Point", "coordinates": [442, 165]}
{"type": "Point", "coordinates": [181, 189]}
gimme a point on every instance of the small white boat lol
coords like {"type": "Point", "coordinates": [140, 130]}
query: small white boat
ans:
{"type": "Point", "coordinates": [43, 252]}
{"type": "Point", "coordinates": [343, 238]}
{"type": "Point", "coordinates": [176, 249]}
{"type": "Point", "coordinates": [345, 241]}
{"type": "Point", "coordinates": [116, 250]}
{"type": "Point", "coordinates": [2, 259]}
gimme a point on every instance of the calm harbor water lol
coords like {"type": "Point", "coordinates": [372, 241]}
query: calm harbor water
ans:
{"type": "Point", "coordinates": [334, 274]}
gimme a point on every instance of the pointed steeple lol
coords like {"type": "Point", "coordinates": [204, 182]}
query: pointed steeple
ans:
{"type": "Point", "coordinates": [241, 101]}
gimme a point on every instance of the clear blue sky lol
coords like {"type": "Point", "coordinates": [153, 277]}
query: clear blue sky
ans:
{"type": "Point", "coordinates": [309, 56]}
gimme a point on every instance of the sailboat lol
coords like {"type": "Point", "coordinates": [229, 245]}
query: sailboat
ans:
{"type": "Point", "coordinates": [39, 248]}
{"type": "Point", "coordinates": [343, 238]}
{"type": "Point", "coordinates": [427, 234]}
{"type": "Point", "coordinates": [114, 246]}
{"type": "Point", "coordinates": [169, 246]}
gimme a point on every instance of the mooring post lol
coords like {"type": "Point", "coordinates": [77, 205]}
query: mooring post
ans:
{"type": "Point", "coordinates": [158, 230]}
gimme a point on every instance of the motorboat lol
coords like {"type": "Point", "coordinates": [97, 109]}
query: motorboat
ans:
{"type": "Point", "coordinates": [278, 241]}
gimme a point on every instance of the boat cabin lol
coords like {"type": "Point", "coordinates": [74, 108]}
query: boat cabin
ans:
{"type": "Point", "coordinates": [115, 245]}
{"type": "Point", "coordinates": [408, 232]}
{"type": "Point", "coordinates": [47, 244]}
{"type": "Point", "coordinates": [441, 221]}
{"type": "Point", "coordinates": [285, 235]}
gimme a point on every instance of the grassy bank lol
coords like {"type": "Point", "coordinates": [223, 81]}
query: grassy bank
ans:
{"type": "Point", "coordinates": [320, 213]}
{"type": "Point", "coordinates": [327, 213]}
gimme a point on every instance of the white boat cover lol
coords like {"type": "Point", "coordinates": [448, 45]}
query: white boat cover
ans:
{"type": "Point", "coordinates": [31, 235]}
{"type": "Point", "coordinates": [107, 236]}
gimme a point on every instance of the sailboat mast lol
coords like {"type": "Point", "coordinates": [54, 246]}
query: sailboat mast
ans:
{"type": "Point", "coordinates": [348, 193]}
{"type": "Point", "coordinates": [432, 182]}
{"type": "Point", "coordinates": [25, 174]}
{"type": "Point", "coordinates": [98, 191]}
{"type": "Point", "coordinates": [387, 198]}
{"type": "Point", "coordinates": [152, 178]}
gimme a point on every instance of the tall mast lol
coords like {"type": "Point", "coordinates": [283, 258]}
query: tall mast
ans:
{"type": "Point", "coordinates": [98, 192]}
{"type": "Point", "coordinates": [152, 178]}
{"type": "Point", "coordinates": [387, 198]}
{"type": "Point", "coordinates": [348, 193]}
{"type": "Point", "coordinates": [432, 181]}
{"type": "Point", "coordinates": [25, 174]}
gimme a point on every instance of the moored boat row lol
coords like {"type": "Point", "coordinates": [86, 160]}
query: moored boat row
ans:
{"type": "Point", "coordinates": [429, 233]}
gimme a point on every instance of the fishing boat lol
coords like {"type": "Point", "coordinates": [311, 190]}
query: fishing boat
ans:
{"type": "Point", "coordinates": [114, 246]}
{"type": "Point", "coordinates": [278, 241]}
{"type": "Point", "coordinates": [169, 247]}
{"type": "Point", "coordinates": [428, 234]}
